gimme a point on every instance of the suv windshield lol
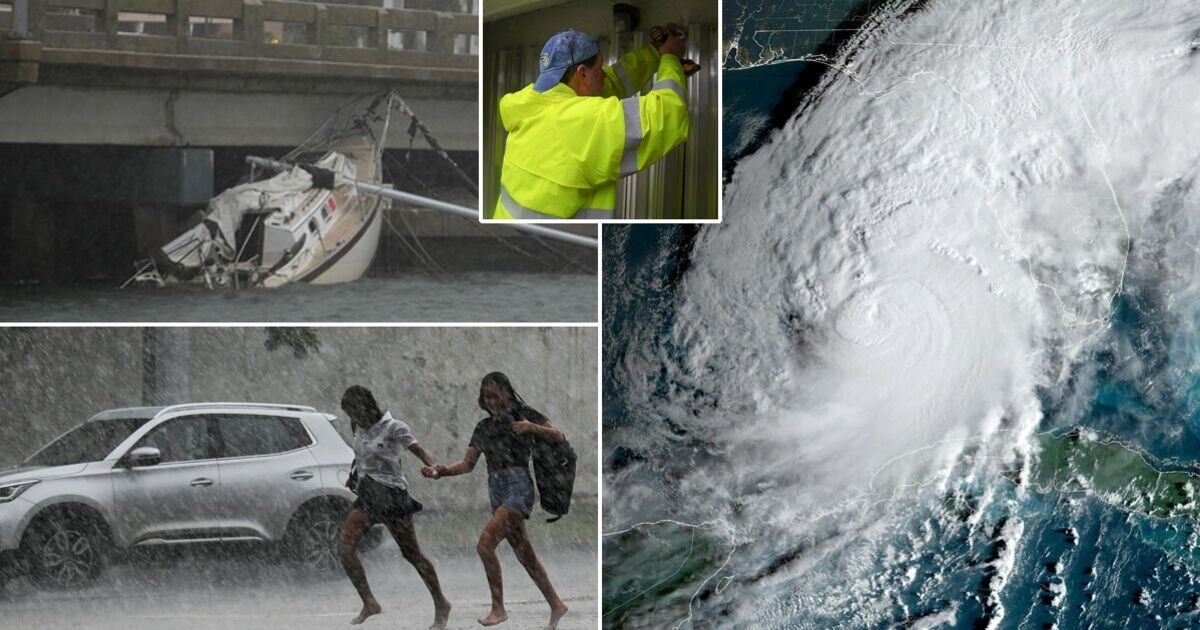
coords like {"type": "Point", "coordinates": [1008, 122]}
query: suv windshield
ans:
{"type": "Point", "coordinates": [88, 442]}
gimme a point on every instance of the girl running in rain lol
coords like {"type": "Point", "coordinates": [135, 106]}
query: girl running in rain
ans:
{"type": "Point", "coordinates": [383, 498]}
{"type": "Point", "coordinates": [505, 439]}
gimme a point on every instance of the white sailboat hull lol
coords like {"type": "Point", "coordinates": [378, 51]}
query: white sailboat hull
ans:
{"type": "Point", "coordinates": [317, 220]}
{"type": "Point", "coordinates": [351, 263]}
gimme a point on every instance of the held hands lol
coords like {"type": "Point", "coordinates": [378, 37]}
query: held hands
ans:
{"type": "Point", "coordinates": [431, 472]}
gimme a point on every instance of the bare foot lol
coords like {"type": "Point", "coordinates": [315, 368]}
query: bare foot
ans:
{"type": "Point", "coordinates": [372, 608]}
{"type": "Point", "coordinates": [555, 615]}
{"type": "Point", "coordinates": [494, 617]}
{"type": "Point", "coordinates": [441, 614]}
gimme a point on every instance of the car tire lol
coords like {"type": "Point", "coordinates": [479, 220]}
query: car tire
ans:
{"type": "Point", "coordinates": [312, 538]}
{"type": "Point", "coordinates": [65, 551]}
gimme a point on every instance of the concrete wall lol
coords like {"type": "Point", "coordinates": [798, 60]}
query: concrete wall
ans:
{"type": "Point", "coordinates": [59, 114]}
{"type": "Point", "coordinates": [54, 378]}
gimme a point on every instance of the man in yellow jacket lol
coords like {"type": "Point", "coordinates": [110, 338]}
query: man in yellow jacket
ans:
{"type": "Point", "coordinates": [580, 126]}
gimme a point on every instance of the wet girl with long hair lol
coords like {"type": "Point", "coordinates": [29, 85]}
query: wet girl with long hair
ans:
{"type": "Point", "coordinates": [383, 498]}
{"type": "Point", "coordinates": [505, 439]}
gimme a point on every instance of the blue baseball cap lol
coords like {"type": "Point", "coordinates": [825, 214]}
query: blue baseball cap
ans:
{"type": "Point", "coordinates": [563, 50]}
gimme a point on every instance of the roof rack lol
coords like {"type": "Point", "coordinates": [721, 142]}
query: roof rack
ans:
{"type": "Point", "coordinates": [209, 405]}
{"type": "Point", "coordinates": [151, 412]}
{"type": "Point", "coordinates": [127, 412]}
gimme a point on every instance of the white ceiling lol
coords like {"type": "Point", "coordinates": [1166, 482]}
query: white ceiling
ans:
{"type": "Point", "coordinates": [496, 9]}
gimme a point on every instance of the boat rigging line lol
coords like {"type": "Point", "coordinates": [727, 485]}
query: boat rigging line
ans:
{"type": "Point", "coordinates": [434, 204]}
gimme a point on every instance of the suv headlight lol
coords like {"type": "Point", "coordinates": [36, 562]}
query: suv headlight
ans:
{"type": "Point", "coordinates": [10, 491]}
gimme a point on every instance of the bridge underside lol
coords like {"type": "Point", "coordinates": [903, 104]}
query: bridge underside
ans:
{"type": "Point", "coordinates": [87, 212]}
{"type": "Point", "coordinates": [165, 113]}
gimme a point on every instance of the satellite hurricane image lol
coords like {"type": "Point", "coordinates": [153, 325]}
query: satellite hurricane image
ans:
{"type": "Point", "coordinates": [940, 364]}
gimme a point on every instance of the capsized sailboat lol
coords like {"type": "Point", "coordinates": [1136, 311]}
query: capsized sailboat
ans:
{"type": "Point", "coordinates": [316, 220]}
{"type": "Point", "coordinates": [304, 224]}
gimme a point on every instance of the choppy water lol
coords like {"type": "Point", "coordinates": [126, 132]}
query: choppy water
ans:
{"type": "Point", "coordinates": [460, 297]}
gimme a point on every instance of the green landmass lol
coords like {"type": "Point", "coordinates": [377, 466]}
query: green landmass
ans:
{"type": "Point", "coordinates": [1119, 474]}
{"type": "Point", "coordinates": [652, 572]}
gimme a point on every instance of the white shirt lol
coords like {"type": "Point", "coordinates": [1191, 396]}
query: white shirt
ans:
{"type": "Point", "coordinates": [378, 449]}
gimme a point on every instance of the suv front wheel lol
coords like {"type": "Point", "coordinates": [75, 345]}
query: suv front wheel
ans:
{"type": "Point", "coordinates": [64, 551]}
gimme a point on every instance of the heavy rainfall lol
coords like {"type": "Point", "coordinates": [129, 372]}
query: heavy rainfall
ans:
{"type": "Point", "coordinates": [302, 162]}
{"type": "Point", "coordinates": [251, 550]}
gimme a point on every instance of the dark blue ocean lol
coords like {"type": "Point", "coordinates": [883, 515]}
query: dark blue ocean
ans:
{"type": "Point", "coordinates": [759, 99]}
{"type": "Point", "coordinates": [750, 99]}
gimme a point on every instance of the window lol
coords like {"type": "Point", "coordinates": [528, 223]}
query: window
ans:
{"type": "Point", "coordinates": [212, 27]}
{"type": "Point", "coordinates": [348, 36]}
{"type": "Point", "coordinates": [466, 44]}
{"type": "Point", "coordinates": [455, 6]}
{"type": "Point", "coordinates": [73, 19]}
{"type": "Point", "coordinates": [247, 435]}
{"type": "Point", "coordinates": [181, 439]}
{"type": "Point", "coordinates": [279, 32]}
{"type": "Point", "coordinates": [142, 23]}
{"type": "Point", "coordinates": [403, 39]}
{"type": "Point", "coordinates": [88, 442]}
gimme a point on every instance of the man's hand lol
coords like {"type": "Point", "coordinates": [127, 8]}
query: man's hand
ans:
{"type": "Point", "coordinates": [430, 472]}
{"type": "Point", "coordinates": [674, 43]}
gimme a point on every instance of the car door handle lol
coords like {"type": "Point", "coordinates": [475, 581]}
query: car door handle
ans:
{"type": "Point", "coordinates": [201, 481]}
{"type": "Point", "coordinates": [302, 475]}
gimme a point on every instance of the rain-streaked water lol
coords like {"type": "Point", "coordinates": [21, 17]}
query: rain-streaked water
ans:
{"type": "Point", "coordinates": [458, 297]}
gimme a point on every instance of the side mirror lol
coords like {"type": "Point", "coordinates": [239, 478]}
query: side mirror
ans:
{"type": "Point", "coordinates": [142, 456]}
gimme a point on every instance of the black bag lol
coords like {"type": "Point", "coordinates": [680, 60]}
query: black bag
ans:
{"type": "Point", "coordinates": [554, 472]}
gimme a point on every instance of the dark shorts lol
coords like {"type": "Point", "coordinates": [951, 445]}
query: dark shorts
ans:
{"type": "Point", "coordinates": [511, 488]}
{"type": "Point", "coordinates": [383, 503]}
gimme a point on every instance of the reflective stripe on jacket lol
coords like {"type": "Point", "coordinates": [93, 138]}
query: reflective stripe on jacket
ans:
{"type": "Point", "coordinates": [564, 152]}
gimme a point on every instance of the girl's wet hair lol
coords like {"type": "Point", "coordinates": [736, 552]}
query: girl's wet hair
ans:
{"type": "Point", "coordinates": [359, 397]}
{"type": "Point", "coordinates": [499, 380]}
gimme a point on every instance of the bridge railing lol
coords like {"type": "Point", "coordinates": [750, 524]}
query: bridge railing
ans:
{"type": "Point", "coordinates": [270, 29]}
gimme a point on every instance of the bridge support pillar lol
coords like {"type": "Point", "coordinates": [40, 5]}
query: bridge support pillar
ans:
{"type": "Point", "coordinates": [31, 231]}
{"type": "Point", "coordinates": [19, 61]}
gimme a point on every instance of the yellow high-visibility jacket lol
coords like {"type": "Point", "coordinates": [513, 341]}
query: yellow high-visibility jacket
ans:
{"type": "Point", "coordinates": [565, 152]}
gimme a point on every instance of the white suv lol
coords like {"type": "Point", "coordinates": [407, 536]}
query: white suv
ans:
{"type": "Point", "coordinates": [195, 473]}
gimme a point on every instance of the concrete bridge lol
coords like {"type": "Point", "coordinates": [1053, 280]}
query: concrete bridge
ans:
{"type": "Point", "coordinates": [227, 72]}
{"type": "Point", "coordinates": [120, 118]}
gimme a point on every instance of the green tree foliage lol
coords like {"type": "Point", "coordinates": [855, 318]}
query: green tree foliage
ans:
{"type": "Point", "coordinates": [301, 340]}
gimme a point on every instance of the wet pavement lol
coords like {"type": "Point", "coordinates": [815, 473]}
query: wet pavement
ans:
{"type": "Point", "coordinates": [199, 593]}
